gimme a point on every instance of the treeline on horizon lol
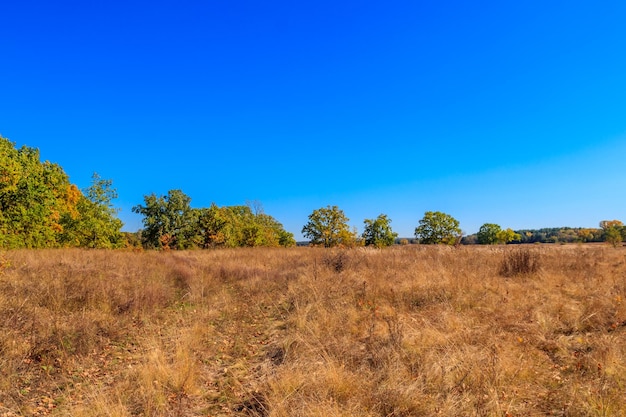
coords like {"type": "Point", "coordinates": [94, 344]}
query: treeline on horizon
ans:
{"type": "Point", "coordinates": [551, 235]}
{"type": "Point", "coordinates": [40, 208]}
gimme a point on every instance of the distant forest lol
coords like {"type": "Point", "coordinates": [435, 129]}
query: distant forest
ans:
{"type": "Point", "coordinates": [551, 235]}
{"type": "Point", "coordinates": [40, 208]}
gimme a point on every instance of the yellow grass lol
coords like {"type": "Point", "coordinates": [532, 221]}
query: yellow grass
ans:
{"type": "Point", "coordinates": [407, 331]}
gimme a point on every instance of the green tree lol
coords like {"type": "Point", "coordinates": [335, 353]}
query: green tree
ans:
{"type": "Point", "coordinates": [329, 227]}
{"type": "Point", "coordinates": [34, 197]}
{"type": "Point", "coordinates": [94, 224]}
{"type": "Point", "coordinates": [239, 226]}
{"type": "Point", "coordinates": [437, 227]}
{"type": "Point", "coordinates": [378, 232]}
{"type": "Point", "coordinates": [212, 224]}
{"type": "Point", "coordinates": [508, 235]}
{"type": "Point", "coordinates": [488, 234]}
{"type": "Point", "coordinates": [273, 232]}
{"type": "Point", "coordinates": [286, 238]}
{"type": "Point", "coordinates": [613, 231]}
{"type": "Point", "coordinates": [39, 207]}
{"type": "Point", "coordinates": [613, 236]}
{"type": "Point", "coordinates": [169, 222]}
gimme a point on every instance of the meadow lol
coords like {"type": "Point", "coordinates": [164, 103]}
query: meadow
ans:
{"type": "Point", "coordinates": [417, 330]}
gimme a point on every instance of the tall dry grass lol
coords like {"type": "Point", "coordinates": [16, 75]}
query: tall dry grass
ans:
{"type": "Point", "coordinates": [408, 331]}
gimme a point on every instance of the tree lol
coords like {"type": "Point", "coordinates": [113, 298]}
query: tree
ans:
{"type": "Point", "coordinates": [437, 227]}
{"type": "Point", "coordinates": [169, 222]}
{"type": "Point", "coordinates": [378, 232]}
{"type": "Point", "coordinates": [34, 197]}
{"type": "Point", "coordinates": [94, 223]}
{"type": "Point", "coordinates": [613, 236]}
{"type": "Point", "coordinates": [488, 234]}
{"type": "Point", "coordinates": [238, 226]}
{"type": "Point", "coordinates": [211, 227]}
{"type": "Point", "coordinates": [607, 224]}
{"type": "Point", "coordinates": [508, 235]}
{"type": "Point", "coordinates": [329, 227]}
{"type": "Point", "coordinates": [273, 233]}
{"type": "Point", "coordinates": [39, 207]}
{"type": "Point", "coordinates": [586, 235]}
{"type": "Point", "coordinates": [613, 231]}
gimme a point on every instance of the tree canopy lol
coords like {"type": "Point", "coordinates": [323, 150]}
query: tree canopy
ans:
{"type": "Point", "coordinates": [377, 232]}
{"type": "Point", "coordinates": [437, 227]}
{"type": "Point", "coordinates": [40, 208]}
{"type": "Point", "coordinates": [328, 227]}
{"type": "Point", "coordinates": [95, 225]}
{"type": "Point", "coordinates": [171, 223]}
{"type": "Point", "coordinates": [488, 234]}
{"type": "Point", "coordinates": [613, 231]}
{"type": "Point", "coordinates": [491, 234]}
{"type": "Point", "coordinates": [167, 220]}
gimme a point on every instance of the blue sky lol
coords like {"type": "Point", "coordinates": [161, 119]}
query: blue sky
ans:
{"type": "Point", "coordinates": [499, 112]}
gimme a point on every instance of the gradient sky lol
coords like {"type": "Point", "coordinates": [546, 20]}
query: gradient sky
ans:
{"type": "Point", "coordinates": [502, 112]}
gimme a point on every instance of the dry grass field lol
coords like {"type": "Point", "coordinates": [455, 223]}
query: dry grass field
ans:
{"type": "Point", "coordinates": [407, 331]}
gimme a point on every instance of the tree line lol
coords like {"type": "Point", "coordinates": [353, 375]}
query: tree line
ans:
{"type": "Point", "coordinates": [610, 231]}
{"type": "Point", "coordinates": [40, 208]}
{"type": "Point", "coordinates": [171, 223]}
{"type": "Point", "coordinates": [329, 227]}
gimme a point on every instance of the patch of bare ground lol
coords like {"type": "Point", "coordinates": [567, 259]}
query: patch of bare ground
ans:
{"type": "Point", "coordinates": [407, 331]}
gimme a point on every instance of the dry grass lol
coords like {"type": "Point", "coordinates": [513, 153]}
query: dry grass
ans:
{"type": "Point", "coordinates": [408, 331]}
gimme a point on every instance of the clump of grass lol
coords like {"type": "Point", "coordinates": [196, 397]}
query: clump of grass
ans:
{"type": "Point", "coordinates": [519, 262]}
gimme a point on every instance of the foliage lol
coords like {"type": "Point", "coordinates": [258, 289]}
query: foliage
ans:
{"type": "Point", "coordinates": [611, 234]}
{"type": "Point", "coordinates": [31, 198]}
{"type": "Point", "coordinates": [236, 226]}
{"type": "Point", "coordinates": [608, 224]}
{"type": "Point", "coordinates": [488, 234]}
{"type": "Point", "coordinates": [39, 207]}
{"type": "Point", "coordinates": [437, 227]}
{"type": "Point", "coordinates": [508, 235]}
{"type": "Point", "coordinates": [168, 220]}
{"type": "Point", "coordinates": [586, 235]}
{"type": "Point", "coordinates": [328, 227]}
{"type": "Point", "coordinates": [613, 231]}
{"type": "Point", "coordinates": [491, 234]}
{"type": "Point", "coordinates": [378, 232]}
{"type": "Point", "coordinates": [132, 239]}
{"type": "Point", "coordinates": [273, 232]}
{"type": "Point", "coordinates": [559, 235]}
{"type": "Point", "coordinates": [211, 227]}
{"type": "Point", "coordinates": [170, 223]}
{"type": "Point", "coordinates": [94, 224]}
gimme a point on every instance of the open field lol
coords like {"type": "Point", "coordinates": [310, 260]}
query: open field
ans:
{"type": "Point", "coordinates": [407, 331]}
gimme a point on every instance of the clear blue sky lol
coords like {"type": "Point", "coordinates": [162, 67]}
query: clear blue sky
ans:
{"type": "Point", "coordinates": [503, 112]}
